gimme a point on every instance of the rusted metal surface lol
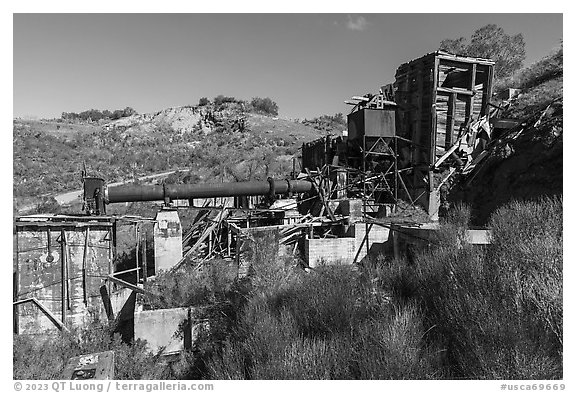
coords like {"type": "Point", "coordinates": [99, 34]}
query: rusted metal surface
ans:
{"type": "Point", "coordinates": [133, 193]}
{"type": "Point", "coordinates": [61, 265]}
{"type": "Point", "coordinates": [99, 366]}
{"type": "Point", "coordinates": [372, 123]}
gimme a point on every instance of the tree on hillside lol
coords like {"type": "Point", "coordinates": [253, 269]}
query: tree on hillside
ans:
{"type": "Point", "coordinates": [264, 105]}
{"type": "Point", "coordinates": [491, 42]}
{"type": "Point", "coordinates": [128, 112]}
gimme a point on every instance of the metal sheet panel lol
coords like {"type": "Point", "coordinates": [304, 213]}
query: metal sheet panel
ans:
{"type": "Point", "coordinates": [372, 123]}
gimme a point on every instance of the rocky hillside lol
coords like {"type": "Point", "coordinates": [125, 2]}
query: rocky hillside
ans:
{"type": "Point", "coordinates": [223, 142]}
{"type": "Point", "coordinates": [524, 162]}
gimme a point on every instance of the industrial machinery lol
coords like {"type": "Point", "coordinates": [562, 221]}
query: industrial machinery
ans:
{"type": "Point", "coordinates": [407, 142]}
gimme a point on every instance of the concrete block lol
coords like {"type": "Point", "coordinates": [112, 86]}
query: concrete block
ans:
{"type": "Point", "coordinates": [377, 242]}
{"type": "Point", "coordinates": [161, 329]}
{"type": "Point", "coordinates": [329, 251]}
{"type": "Point", "coordinates": [123, 302]}
{"type": "Point", "coordinates": [352, 208]}
{"type": "Point", "coordinates": [479, 236]}
{"type": "Point", "coordinates": [171, 329]}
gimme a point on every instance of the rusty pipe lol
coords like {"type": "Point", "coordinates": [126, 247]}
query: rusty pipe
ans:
{"type": "Point", "coordinates": [133, 193]}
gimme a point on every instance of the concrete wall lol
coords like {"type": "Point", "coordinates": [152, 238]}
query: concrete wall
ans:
{"type": "Point", "coordinates": [330, 251]}
{"type": "Point", "coordinates": [407, 239]}
{"type": "Point", "coordinates": [40, 273]}
{"type": "Point", "coordinates": [344, 249]}
{"type": "Point", "coordinates": [377, 240]}
{"type": "Point", "coordinates": [123, 302]}
{"type": "Point", "coordinates": [173, 329]}
{"type": "Point", "coordinates": [161, 328]}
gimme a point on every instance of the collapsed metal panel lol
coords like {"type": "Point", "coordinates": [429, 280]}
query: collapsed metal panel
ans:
{"type": "Point", "coordinates": [61, 264]}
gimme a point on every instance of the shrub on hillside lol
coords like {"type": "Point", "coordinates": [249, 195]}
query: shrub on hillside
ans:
{"type": "Point", "coordinates": [549, 67]}
{"type": "Point", "coordinates": [96, 115]}
{"type": "Point", "coordinates": [327, 123]}
{"type": "Point", "coordinates": [264, 105]}
{"type": "Point", "coordinates": [222, 99]}
{"type": "Point", "coordinates": [47, 205]}
{"type": "Point", "coordinates": [203, 101]}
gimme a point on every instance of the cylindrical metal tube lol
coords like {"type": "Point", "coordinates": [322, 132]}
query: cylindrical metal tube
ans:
{"type": "Point", "coordinates": [131, 193]}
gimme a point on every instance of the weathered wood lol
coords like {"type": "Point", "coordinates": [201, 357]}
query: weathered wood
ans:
{"type": "Point", "coordinates": [320, 192]}
{"type": "Point", "coordinates": [470, 101]}
{"type": "Point", "coordinates": [128, 285]}
{"type": "Point", "coordinates": [84, 264]}
{"type": "Point", "coordinates": [144, 260]}
{"type": "Point", "coordinates": [207, 232]}
{"type": "Point", "coordinates": [450, 120]}
{"type": "Point", "coordinates": [449, 90]}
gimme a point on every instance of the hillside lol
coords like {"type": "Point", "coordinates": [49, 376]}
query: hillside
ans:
{"type": "Point", "coordinates": [224, 142]}
{"type": "Point", "coordinates": [525, 162]}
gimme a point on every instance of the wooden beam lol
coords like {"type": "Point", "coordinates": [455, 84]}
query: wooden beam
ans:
{"type": "Point", "coordinates": [221, 216]}
{"type": "Point", "coordinates": [321, 194]}
{"type": "Point", "coordinates": [450, 121]}
{"type": "Point", "coordinates": [128, 285]}
{"type": "Point", "coordinates": [470, 101]}
{"type": "Point", "coordinates": [448, 90]}
{"type": "Point", "coordinates": [84, 266]}
{"type": "Point", "coordinates": [63, 271]}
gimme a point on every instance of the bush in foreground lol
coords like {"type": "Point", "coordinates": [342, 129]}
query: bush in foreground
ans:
{"type": "Point", "coordinates": [46, 358]}
{"type": "Point", "coordinates": [497, 312]}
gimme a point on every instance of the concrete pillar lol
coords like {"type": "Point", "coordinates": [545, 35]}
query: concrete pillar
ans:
{"type": "Point", "coordinates": [167, 239]}
{"type": "Point", "coordinates": [433, 204]}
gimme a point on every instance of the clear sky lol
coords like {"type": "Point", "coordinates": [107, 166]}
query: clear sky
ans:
{"type": "Point", "coordinates": [308, 63]}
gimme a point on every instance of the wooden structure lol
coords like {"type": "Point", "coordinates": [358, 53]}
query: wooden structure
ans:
{"type": "Point", "coordinates": [61, 262]}
{"type": "Point", "coordinates": [439, 96]}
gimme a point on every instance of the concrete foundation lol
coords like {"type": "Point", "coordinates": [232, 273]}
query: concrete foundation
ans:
{"type": "Point", "coordinates": [349, 249]}
{"type": "Point", "coordinates": [339, 251]}
{"type": "Point", "coordinates": [171, 330]}
{"type": "Point", "coordinates": [407, 239]}
{"type": "Point", "coordinates": [376, 242]}
{"type": "Point", "coordinates": [167, 239]}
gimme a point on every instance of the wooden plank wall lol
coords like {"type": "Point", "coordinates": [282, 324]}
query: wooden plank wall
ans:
{"type": "Point", "coordinates": [455, 109]}
{"type": "Point", "coordinates": [432, 109]}
{"type": "Point", "coordinates": [415, 96]}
